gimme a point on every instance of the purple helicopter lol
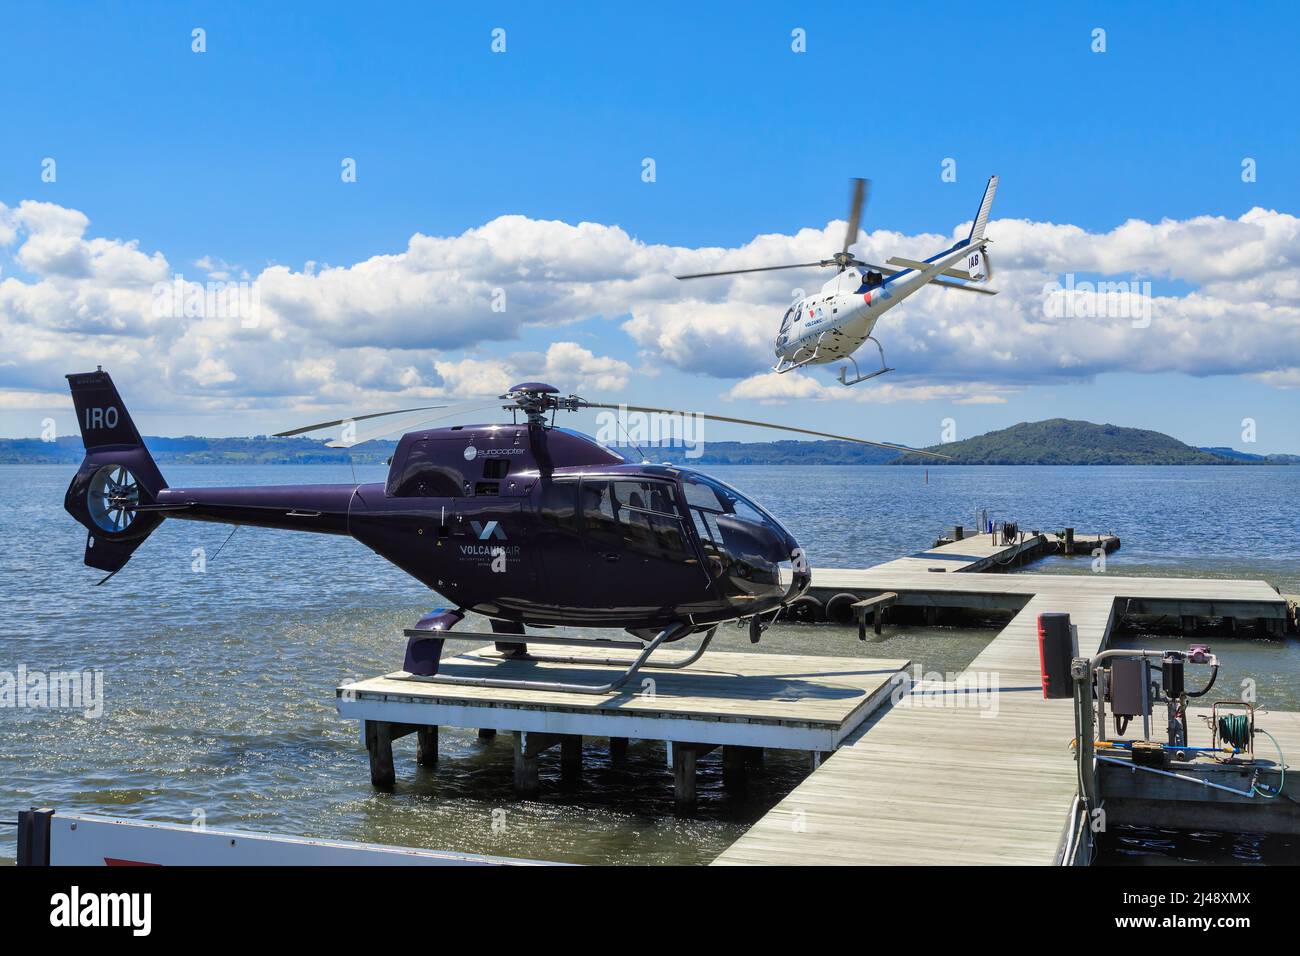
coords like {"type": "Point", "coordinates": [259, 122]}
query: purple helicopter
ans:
{"type": "Point", "coordinates": [525, 523]}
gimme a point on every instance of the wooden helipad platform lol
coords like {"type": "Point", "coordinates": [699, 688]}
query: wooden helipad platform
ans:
{"type": "Point", "coordinates": [739, 701]}
{"type": "Point", "coordinates": [766, 700]}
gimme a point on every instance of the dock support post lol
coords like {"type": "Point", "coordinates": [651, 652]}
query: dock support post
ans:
{"type": "Point", "coordinates": [528, 746]}
{"type": "Point", "coordinates": [818, 757]}
{"type": "Point", "coordinates": [1069, 542]}
{"type": "Point", "coordinates": [734, 761]}
{"type": "Point", "coordinates": [426, 746]}
{"type": "Point", "coordinates": [958, 533]}
{"type": "Point", "coordinates": [379, 744]}
{"type": "Point", "coordinates": [570, 759]}
{"type": "Point", "coordinates": [754, 757]}
{"type": "Point", "coordinates": [1188, 623]}
{"type": "Point", "coordinates": [684, 758]}
{"type": "Point", "coordinates": [486, 733]}
{"type": "Point", "coordinates": [617, 749]}
{"type": "Point", "coordinates": [683, 775]}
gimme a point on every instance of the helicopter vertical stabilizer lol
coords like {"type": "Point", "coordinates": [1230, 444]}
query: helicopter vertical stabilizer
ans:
{"type": "Point", "coordinates": [117, 477]}
{"type": "Point", "coordinates": [982, 217]}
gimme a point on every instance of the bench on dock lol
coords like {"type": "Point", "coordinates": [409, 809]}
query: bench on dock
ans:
{"type": "Point", "coordinates": [875, 606]}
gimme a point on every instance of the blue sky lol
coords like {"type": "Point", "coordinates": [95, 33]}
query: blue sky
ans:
{"type": "Point", "coordinates": [234, 155]}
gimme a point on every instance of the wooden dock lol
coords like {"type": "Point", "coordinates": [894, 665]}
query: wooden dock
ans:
{"type": "Point", "coordinates": [950, 777]}
{"type": "Point", "coordinates": [974, 768]}
{"type": "Point", "coordinates": [741, 701]}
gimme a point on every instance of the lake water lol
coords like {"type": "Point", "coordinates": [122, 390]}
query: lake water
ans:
{"type": "Point", "coordinates": [219, 686]}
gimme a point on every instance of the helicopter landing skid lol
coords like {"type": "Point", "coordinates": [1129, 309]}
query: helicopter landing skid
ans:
{"type": "Point", "coordinates": [858, 376]}
{"type": "Point", "coordinates": [422, 663]}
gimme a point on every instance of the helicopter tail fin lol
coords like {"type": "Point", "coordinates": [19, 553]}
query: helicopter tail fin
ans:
{"type": "Point", "coordinates": [118, 479]}
{"type": "Point", "coordinates": [982, 217]}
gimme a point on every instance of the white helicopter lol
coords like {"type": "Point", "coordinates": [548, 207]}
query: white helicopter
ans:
{"type": "Point", "coordinates": [832, 325]}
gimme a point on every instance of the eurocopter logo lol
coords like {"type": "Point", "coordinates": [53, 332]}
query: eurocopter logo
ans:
{"type": "Point", "coordinates": [489, 530]}
{"type": "Point", "coordinates": [471, 452]}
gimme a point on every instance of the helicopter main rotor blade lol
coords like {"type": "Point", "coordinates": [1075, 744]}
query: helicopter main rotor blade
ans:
{"type": "Point", "coordinates": [411, 422]}
{"type": "Point", "coordinates": [856, 201]}
{"type": "Point", "coordinates": [736, 272]}
{"type": "Point", "coordinates": [757, 424]}
{"type": "Point", "coordinates": [355, 418]}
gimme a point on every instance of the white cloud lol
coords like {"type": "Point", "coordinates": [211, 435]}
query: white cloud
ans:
{"type": "Point", "coordinates": [436, 318]}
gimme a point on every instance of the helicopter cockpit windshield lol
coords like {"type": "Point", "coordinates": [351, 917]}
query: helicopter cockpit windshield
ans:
{"type": "Point", "coordinates": [745, 546]}
{"type": "Point", "coordinates": [788, 320]}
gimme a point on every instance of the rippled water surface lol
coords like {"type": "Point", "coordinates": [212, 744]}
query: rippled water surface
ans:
{"type": "Point", "coordinates": [220, 685]}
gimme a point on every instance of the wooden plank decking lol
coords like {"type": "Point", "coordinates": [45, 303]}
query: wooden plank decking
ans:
{"type": "Point", "coordinates": [773, 700]}
{"type": "Point", "coordinates": [946, 777]}
{"type": "Point", "coordinates": [977, 553]}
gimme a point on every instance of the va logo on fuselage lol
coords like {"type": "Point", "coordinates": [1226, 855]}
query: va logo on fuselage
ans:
{"type": "Point", "coordinates": [487, 530]}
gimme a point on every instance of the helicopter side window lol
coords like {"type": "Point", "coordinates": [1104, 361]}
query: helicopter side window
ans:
{"type": "Point", "coordinates": [705, 506]}
{"type": "Point", "coordinates": [640, 515]}
{"type": "Point", "coordinates": [424, 477]}
{"type": "Point", "coordinates": [598, 519]}
{"type": "Point", "coordinates": [559, 506]}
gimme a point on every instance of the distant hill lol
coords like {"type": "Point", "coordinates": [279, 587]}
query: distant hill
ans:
{"type": "Point", "coordinates": [764, 453]}
{"type": "Point", "coordinates": [1054, 442]}
{"type": "Point", "coordinates": [260, 450]}
{"type": "Point", "coordinates": [1060, 441]}
{"type": "Point", "coordinates": [1246, 457]}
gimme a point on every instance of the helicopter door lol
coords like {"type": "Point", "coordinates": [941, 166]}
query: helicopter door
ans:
{"type": "Point", "coordinates": [639, 556]}
{"type": "Point", "coordinates": [493, 553]}
{"type": "Point", "coordinates": [559, 545]}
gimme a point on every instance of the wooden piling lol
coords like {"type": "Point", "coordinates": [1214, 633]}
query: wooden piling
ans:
{"type": "Point", "coordinates": [379, 745]}
{"type": "Point", "coordinates": [570, 759]}
{"type": "Point", "coordinates": [617, 749]}
{"type": "Point", "coordinates": [528, 746]}
{"type": "Point", "coordinates": [734, 760]}
{"type": "Point", "coordinates": [486, 733]}
{"type": "Point", "coordinates": [684, 776]}
{"type": "Point", "coordinates": [1069, 542]}
{"type": "Point", "coordinates": [685, 758]}
{"type": "Point", "coordinates": [426, 746]}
